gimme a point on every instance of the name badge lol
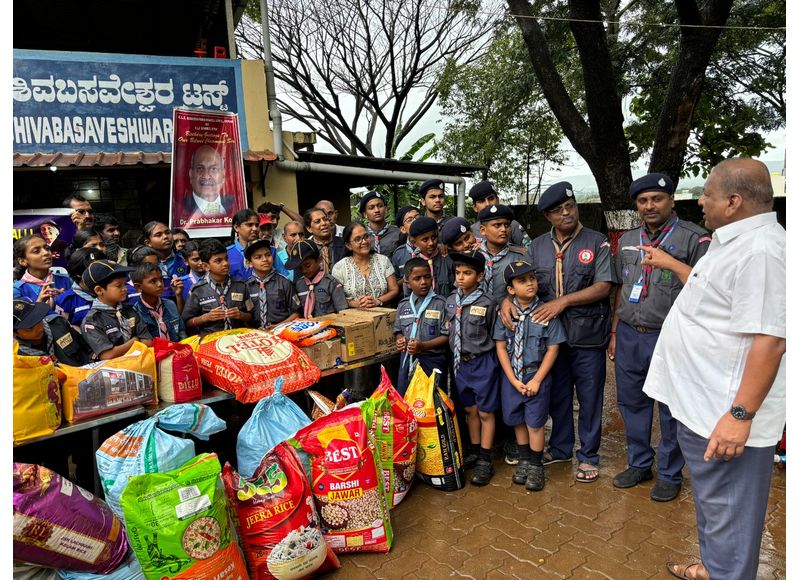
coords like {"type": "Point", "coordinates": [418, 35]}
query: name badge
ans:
{"type": "Point", "coordinates": [208, 300]}
{"type": "Point", "coordinates": [237, 296]}
{"type": "Point", "coordinates": [434, 314]}
{"type": "Point", "coordinates": [132, 322]}
{"type": "Point", "coordinates": [84, 307]}
{"type": "Point", "coordinates": [477, 310]}
{"type": "Point", "coordinates": [64, 341]}
{"type": "Point", "coordinates": [636, 292]}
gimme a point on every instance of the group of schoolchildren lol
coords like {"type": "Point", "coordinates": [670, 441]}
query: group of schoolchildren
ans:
{"type": "Point", "coordinates": [454, 277]}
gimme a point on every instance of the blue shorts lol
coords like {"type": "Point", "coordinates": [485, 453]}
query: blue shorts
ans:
{"type": "Point", "coordinates": [519, 409]}
{"type": "Point", "coordinates": [477, 384]}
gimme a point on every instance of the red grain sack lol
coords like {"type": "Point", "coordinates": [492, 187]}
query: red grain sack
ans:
{"type": "Point", "coordinates": [347, 482]}
{"type": "Point", "coordinates": [276, 518]}
{"type": "Point", "coordinates": [247, 364]}
{"type": "Point", "coordinates": [178, 374]}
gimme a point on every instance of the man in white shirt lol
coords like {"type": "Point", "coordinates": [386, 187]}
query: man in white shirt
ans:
{"type": "Point", "coordinates": [719, 366]}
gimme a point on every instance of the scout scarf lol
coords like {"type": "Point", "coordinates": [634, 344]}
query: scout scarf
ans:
{"type": "Point", "coordinates": [418, 314]}
{"type": "Point", "coordinates": [561, 249]}
{"type": "Point", "coordinates": [461, 303]}
{"type": "Point", "coordinates": [661, 239]}
{"type": "Point", "coordinates": [490, 262]}
{"type": "Point", "coordinates": [519, 335]}
{"type": "Point", "coordinates": [308, 308]}
{"type": "Point", "coordinates": [30, 279]}
{"type": "Point", "coordinates": [124, 327]}
{"type": "Point", "coordinates": [417, 253]}
{"type": "Point", "coordinates": [376, 236]}
{"type": "Point", "coordinates": [80, 292]}
{"type": "Point", "coordinates": [157, 312]}
{"type": "Point", "coordinates": [221, 291]}
{"type": "Point", "coordinates": [262, 298]}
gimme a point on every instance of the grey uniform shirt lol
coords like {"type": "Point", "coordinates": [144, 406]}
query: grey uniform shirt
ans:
{"type": "Point", "coordinates": [519, 236]}
{"type": "Point", "coordinates": [329, 295]}
{"type": "Point", "coordinates": [388, 242]}
{"type": "Point", "coordinates": [537, 337]}
{"type": "Point", "coordinates": [496, 287]}
{"type": "Point", "coordinates": [431, 321]}
{"type": "Point", "coordinates": [477, 324]}
{"type": "Point", "coordinates": [204, 298]}
{"type": "Point", "coordinates": [688, 243]}
{"type": "Point", "coordinates": [101, 328]}
{"type": "Point", "coordinates": [282, 299]}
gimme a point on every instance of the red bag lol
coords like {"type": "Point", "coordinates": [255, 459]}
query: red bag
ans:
{"type": "Point", "coordinates": [178, 373]}
{"type": "Point", "coordinates": [276, 518]}
{"type": "Point", "coordinates": [347, 482]}
{"type": "Point", "coordinates": [248, 364]}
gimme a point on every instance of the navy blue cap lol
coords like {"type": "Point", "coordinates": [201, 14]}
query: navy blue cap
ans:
{"type": "Point", "coordinates": [302, 250]}
{"type": "Point", "coordinates": [421, 225]}
{"type": "Point", "coordinates": [651, 182]}
{"type": "Point", "coordinates": [101, 270]}
{"type": "Point", "coordinates": [255, 245]}
{"type": "Point", "coordinates": [453, 229]}
{"type": "Point", "coordinates": [482, 190]}
{"type": "Point", "coordinates": [493, 212]}
{"type": "Point", "coordinates": [362, 205]}
{"type": "Point", "coordinates": [555, 195]}
{"type": "Point", "coordinates": [430, 184]}
{"type": "Point", "coordinates": [473, 258]}
{"type": "Point", "coordinates": [400, 215]}
{"type": "Point", "coordinates": [517, 269]}
{"type": "Point", "coordinates": [28, 314]}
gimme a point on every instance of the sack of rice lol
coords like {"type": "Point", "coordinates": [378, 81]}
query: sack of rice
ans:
{"type": "Point", "coordinates": [276, 518]}
{"type": "Point", "coordinates": [178, 374]}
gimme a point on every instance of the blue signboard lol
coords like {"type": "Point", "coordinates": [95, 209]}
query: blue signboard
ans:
{"type": "Point", "coordinates": [70, 102]}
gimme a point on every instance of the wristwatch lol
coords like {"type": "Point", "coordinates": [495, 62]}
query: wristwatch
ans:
{"type": "Point", "coordinates": [741, 414]}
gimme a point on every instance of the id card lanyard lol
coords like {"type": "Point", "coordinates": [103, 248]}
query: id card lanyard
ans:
{"type": "Point", "coordinates": [639, 285]}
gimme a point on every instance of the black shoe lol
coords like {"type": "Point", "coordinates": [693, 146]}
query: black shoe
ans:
{"type": "Point", "coordinates": [521, 474]}
{"type": "Point", "coordinates": [535, 481]}
{"type": "Point", "coordinates": [631, 477]}
{"type": "Point", "coordinates": [470, 459]}
{"type": "Point", "coordinates": [665, 491]}
{"type": "Point", "coordinates": [511, 450]}
{"type": "Point", "coordinates": [483, 472]}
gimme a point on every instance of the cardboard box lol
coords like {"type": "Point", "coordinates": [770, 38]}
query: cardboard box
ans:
{"type": "Point", "coordinates": [382, 320]}
{"type": "Point", "coordinates": [356, 335]}
{"type": "Point", "coordinates": [326, 355]}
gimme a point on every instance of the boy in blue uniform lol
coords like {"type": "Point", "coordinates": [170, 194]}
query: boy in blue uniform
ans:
{"type": "Point", "coordinates": [111, 326]}
{"type": "Point", "coordinates": [419, 326]}
{"type": "Point", "coordinates": [470, 319]}
{"type": "Point", "coordinates": [319, 292]}
{"type": "Point", "coordinates": [197, 272]}
{"type": "Point", "coordinates": [272, 294]}
{"type": "Point", "coordinates": [217, 302]}
{"type": "Point", "coordinates": [424, 235]}
{"type": "Point", "coordinates": [160, 315]}
{"type": "Point", "coordinates": [526, 356]}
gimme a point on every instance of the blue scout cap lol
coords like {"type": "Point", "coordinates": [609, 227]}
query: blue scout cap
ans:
{"type": "Point", "coordinates": [302, 250]}
{"type": "Point", "coordinates": [482, 190]}
{"type": "Point", "coordinates": [421, 225]}
{"type": "Point", "coordinates": [453, 229]}
{"type": "Point", "coordinates": [517, 269]}
{"type": "Point", "coordinates": [555, 195]}
{"type": "Point", "coordinates": [430, 184]}
{"type": "Point", "coordinates": [493, 212]}
{"type": "Point", "coordinates": [362, 205]}
{"type": "Point", "coordinates": [28, 314]}
{"type": "Point", "coordinates": [651, 182]}
{"type": "Point", "coordinates": [101, 270]}
{"type": "Point", "coordinates": [473, 258]}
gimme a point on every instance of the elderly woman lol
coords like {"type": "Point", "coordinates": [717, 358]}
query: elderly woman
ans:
{"type": "Point", "coordinates": [367, 277]}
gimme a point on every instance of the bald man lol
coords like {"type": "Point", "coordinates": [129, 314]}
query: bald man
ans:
{"type": "Point", "coordinates": [207, 176]}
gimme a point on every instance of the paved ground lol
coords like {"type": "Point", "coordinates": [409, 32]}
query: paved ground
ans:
{"type": "Point", "coordinates": [569, 530]}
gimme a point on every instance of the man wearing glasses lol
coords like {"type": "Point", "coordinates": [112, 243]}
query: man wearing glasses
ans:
{"type": "Point", "coordinates": [82, 214]}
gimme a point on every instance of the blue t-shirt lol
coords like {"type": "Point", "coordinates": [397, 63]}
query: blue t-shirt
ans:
{"type": "Point", "coordinates": [31, 291]}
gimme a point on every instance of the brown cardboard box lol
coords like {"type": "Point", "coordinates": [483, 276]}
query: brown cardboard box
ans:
{"type": "Point", "coordinates": [355, 334]}
{"type": "Point", "coordinates": [326, 354]}
{"type": "Point", "coordinates": [382, 320]}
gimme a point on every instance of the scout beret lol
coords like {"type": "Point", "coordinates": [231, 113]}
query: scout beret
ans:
{"type": "Point", "coordinates": [453, 229]}
{"type": "Point", "coordinates": [400, 215]}
{"type": "Point", "coordinates": [255, 245]}
{"type": "Point", "coordinates": [430, 184]}
{"type": "Point", "coordinates": [516, 269]}
{"type": "Point", "coordinates": [493, 212]}
{"type": "Point", "coordinates": [482, 190]}
{"type": "Point", "coordinates": [473, 258]}
{"type": "Point", "coordinates": [556, 194]}
{"type": "Point", "coordinates": [101, 270]}
{"type": "Point", "coordinates": [362, 205]}
{"type": "Point", "coordinates": [651, 182]}
{"type": "Point", "coordinates": [302, 250]}
{"type": "Point", "coordinates": [421, 225]}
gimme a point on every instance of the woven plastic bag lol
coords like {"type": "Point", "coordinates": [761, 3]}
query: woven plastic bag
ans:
{"type": "Point", "coordinates": [37, 396]}
{"type": "Point", "coordinates": [178, 375]}
{"type": "Point", "coordinates": [248, 364]}
{"type": "Point", "coordinates": [143, 447]}
{"type": "Point", "coordinates": [440, 461]}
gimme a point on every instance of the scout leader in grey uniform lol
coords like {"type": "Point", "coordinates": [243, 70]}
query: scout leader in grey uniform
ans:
{"type": "Point", "coordinates": [483, 194]}
{"type": "Point", "coordinates": [573, 270]}
{"type": "Point", "coordinates": [272, 294]}
{"type": "Point", "coordinates": [385, 237]}
{"type": "Point", "coordinates": [644, 296]}
{"type": "Point", "coordinates": [495, 228]}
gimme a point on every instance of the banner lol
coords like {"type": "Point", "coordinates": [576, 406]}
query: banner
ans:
{"type": "Point", "coordinates": [53, 224]}
{"type": "Point", "coordinates": [207, 185]}
{"type": "Point", "coordinates": [70, 102]}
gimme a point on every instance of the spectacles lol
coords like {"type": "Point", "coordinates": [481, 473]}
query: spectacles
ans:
{"type": "Point", "coordinates": [569, 206]}
{"type": "Point", "coordinates": [359, 239]}
{"type": "Point", "coordinates": [410, 219]}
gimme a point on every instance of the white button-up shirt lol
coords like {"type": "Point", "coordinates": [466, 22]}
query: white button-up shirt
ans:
{"type": "Point", "coordinates": [735, 291]}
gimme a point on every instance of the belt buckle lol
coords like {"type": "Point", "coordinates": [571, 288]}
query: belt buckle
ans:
{"type": "Point", "coordinates": [467, 357]}
{"type": "Point", "coordinates": [640, 329]}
